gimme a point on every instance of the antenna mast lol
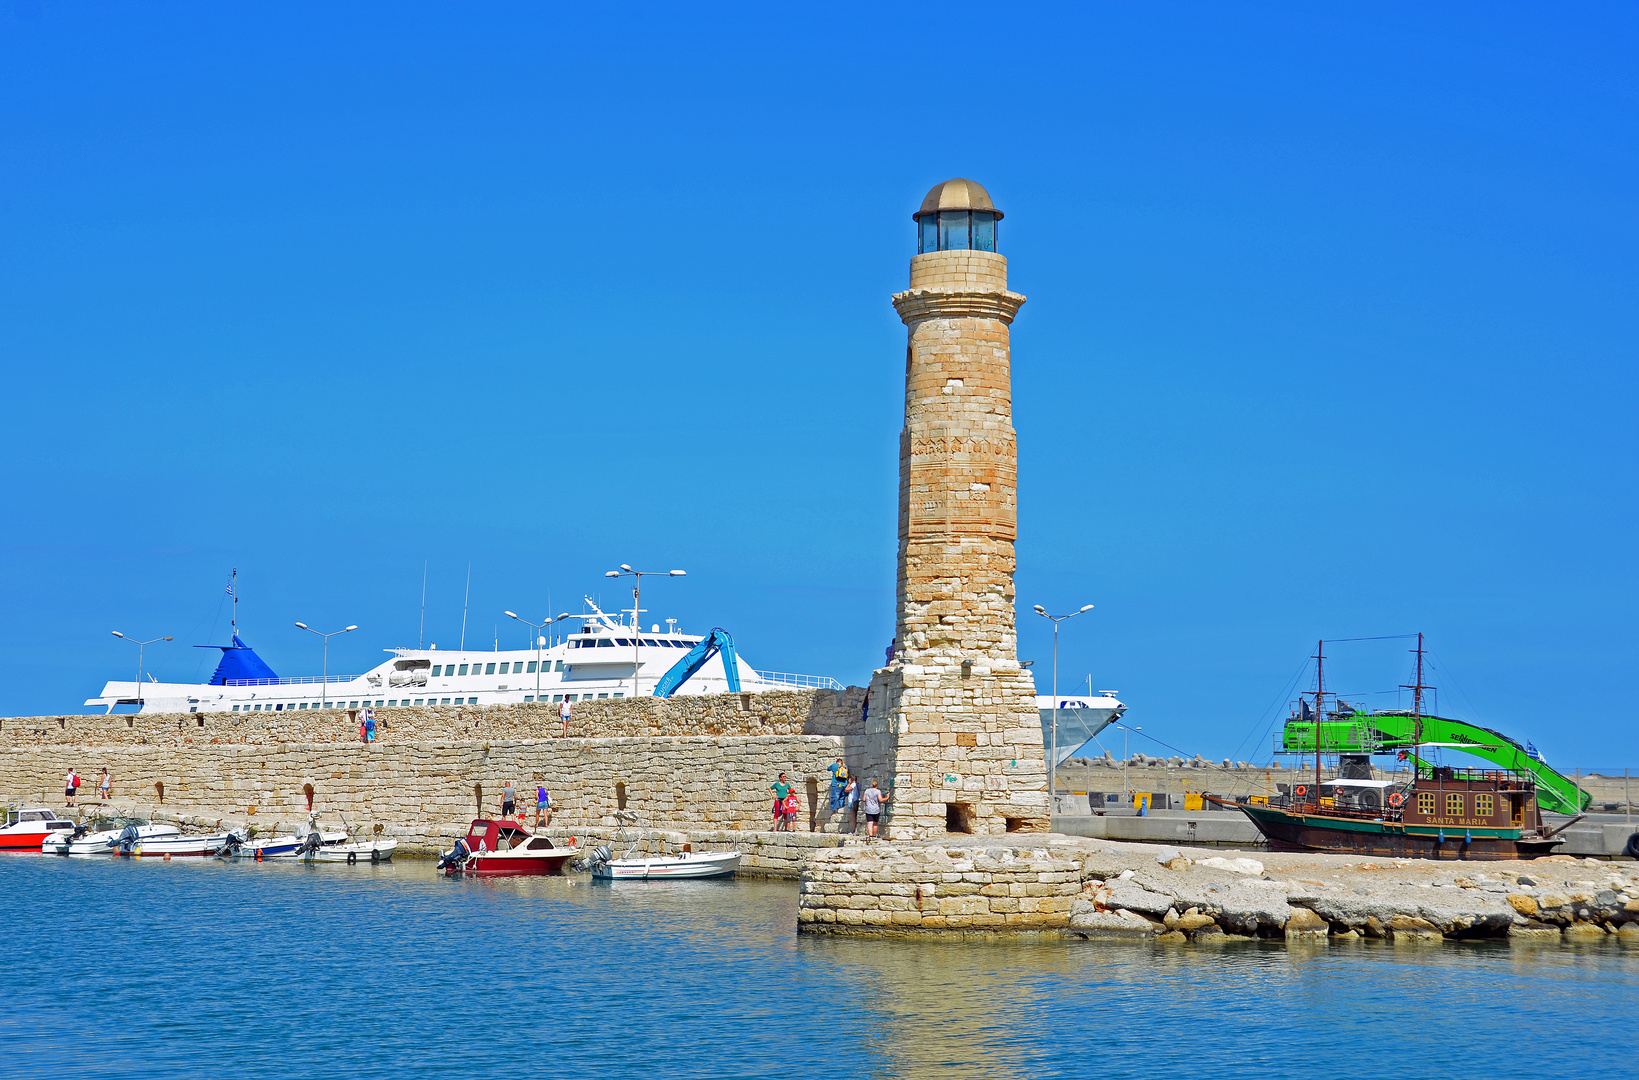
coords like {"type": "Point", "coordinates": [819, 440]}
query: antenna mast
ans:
{"type": "Point", "coordinates": [233, 591]}
{"type": "Point", "coordinates": [421, 634]}
{"type": "Point", "coordinates": [464, 599]}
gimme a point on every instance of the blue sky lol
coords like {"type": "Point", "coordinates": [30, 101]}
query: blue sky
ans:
{"type": "Point", "coordinates": [1330, 334]}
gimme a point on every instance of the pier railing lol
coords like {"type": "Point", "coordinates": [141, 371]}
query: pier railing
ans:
{"type": "Point", "coordinates": [298, 680]}
{"type": "Point", "coordinates": [800, 682]}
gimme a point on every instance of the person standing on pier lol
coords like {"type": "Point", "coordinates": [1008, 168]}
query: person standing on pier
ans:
{"type": "Point", "coordinates": [850, 802]}
{"type": "Point", "coordinates": [874, 798]}
{"type": "Point", "coordinates": [509, 799]}
{"type": "Point", "coordinates": [839, 781]}
{"type": "Point", "coordinates": [370, 725]}
{"type": "Point", "coordinates": [563, 714]}
{"type": "Point", "coordinates": [105, 786]}
{"type": "Point", "coordinates": [781, 788]}
{"type": "Point", "coordinates": [71, 786]}
{"type": "Point", "coordinates": [543, 807]}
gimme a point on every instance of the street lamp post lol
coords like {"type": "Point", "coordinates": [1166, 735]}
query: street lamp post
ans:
{"type": "Point", "coordinates": [539, 641]}
{"type": "Point", "coordinates": [139, 645]}
{"type": "Point", "coordinates": [324, 681]}
{"type": "Point", "coordinates": [1125, 760]}
{"type": "Point", "coordinates": [1053, 766]}
{"type": "Point", "coordinates": [637, 606]}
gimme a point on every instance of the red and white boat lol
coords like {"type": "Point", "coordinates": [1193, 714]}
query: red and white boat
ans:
{"type": "Point", "coordinates": [504, 848]}
{"type": "Point", "coordinates": [28, 827]}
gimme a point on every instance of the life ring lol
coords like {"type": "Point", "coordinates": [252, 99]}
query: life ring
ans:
{"type": "Point", "coordinates": [1301, 789]}
{"type": "Point", "coordinates": [352, 857]}
{"type": "Point", "coordinates": [1397, 798]}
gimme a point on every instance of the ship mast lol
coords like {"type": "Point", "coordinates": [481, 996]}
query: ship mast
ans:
{"type": "Point", "coordinates": [1320, 697]}
{"type": "Point", "coordinates": [233, 591]}
{"type": "Point", "coordinates": [1417, 707]}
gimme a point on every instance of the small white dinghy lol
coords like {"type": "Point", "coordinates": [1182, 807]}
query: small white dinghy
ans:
{"type": "Point", "coordinates": [104, 841]}
{"type": "Point", "coordinates": [319, 846]}
{"type": "Point", "coordinates": [687, 866]}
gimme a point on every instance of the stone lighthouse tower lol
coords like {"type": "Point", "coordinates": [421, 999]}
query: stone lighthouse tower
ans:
{"type": "Point", "coordinates": [955, 711]}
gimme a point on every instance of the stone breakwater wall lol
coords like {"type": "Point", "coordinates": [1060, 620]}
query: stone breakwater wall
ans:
{"type": "Point", "coordinates": [696, 763]}
{"type": "Point", "coordinates": [1140, 892]}
{"type": "Point", "coordinates": [783, 712]}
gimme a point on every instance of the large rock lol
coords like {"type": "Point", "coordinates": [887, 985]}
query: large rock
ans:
{"type": "Point", "coordinates": [1112, 924]}
{"type": "Point", "coordinates": [1525, 905]}
{"type": "Point", "coordinates": [1305, 923]}
{"type": "Point", "coordinates": [1136, 898]}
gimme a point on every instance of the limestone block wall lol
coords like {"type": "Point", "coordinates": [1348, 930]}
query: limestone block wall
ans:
{"type": "Point", "coordinates": [698, 782]}
{"type": "Point", "coordinates": [800, 712]}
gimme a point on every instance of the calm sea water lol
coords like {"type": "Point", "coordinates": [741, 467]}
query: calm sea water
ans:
{"type": "Point", "coordinates": [190, 968]}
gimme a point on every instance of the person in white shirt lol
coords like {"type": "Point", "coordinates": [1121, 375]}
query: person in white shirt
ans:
{"type": "Point", "coordinates": [71, 786]}
{"type": "Point", "coordinates": [563, 714]}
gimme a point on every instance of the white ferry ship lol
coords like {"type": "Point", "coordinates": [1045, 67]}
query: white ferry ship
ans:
{"type": "Point", "coordinates": [601, 660]}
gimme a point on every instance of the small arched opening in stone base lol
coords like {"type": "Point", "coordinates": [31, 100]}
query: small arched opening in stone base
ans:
{"type": "Point", "coordinates": [1017, 824]}
{"type": "Point", "coordinates": [307, 793]}
{"type": "Point", "coordinates": [620, 795]}
{"type": "Point", "coordinates": [159, 789]}
{"type": "Point", "coordinates": [478, 798]}
{"type": "Point", "coordinates": [958, 817]}
{"type": "Point", "coordinates": [813, 804]}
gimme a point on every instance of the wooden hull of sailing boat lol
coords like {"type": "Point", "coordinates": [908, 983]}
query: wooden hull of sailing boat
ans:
{"type": "Point", "coordinates": [1289, 831]}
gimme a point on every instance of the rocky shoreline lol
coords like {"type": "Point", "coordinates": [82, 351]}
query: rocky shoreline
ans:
{"type": "Point", "coordinates": [1113, 891]}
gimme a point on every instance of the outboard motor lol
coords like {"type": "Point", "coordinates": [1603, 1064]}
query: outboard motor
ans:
{"type": "Point", "coordinates": [455, 858]}
{"type": "Point", "coordinates": [235, 840]}
{"type": "Point", "coordinates": [128, 839]}
{"type": "Point", "coordinates": [310, 843]}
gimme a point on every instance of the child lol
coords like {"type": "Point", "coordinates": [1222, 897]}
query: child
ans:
{"type": "Point", "coordinates": [792, 806]}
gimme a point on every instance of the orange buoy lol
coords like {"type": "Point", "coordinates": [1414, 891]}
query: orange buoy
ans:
{"type": "Point", "coordinates": [167, 856]}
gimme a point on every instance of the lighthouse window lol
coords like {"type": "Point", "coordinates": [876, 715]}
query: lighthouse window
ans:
{"type": "Point", "coordinates": [984, 232]}
{"type": "Point", "coordinates": [928, 234]}
{"type": "Point", "coordinates": [953, 230]}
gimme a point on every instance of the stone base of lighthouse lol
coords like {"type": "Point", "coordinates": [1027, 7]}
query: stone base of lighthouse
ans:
{"type": "Point", "coordinates": [964, 748]}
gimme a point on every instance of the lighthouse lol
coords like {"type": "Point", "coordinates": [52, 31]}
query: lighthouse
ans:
{"type": "Point", "coordinates": [955, 710]}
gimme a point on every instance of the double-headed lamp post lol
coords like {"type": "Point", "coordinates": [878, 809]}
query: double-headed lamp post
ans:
{"type": "Point", "coordinates": [324, 683]}
{"type": "Point", "coordinates": [539, 641]}
{"type": "Point", "coordinates": [139, 645]}
{"type": "Point", "coordinates": [637, 607]}
{"type": "Point", "coordinates": [1053, 766]}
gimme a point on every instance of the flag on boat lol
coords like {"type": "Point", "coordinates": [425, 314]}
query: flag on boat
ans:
{"type": "Point", "coordinates": [1533, 753]}
{"type": "Point", "coordinates": [230, 590]}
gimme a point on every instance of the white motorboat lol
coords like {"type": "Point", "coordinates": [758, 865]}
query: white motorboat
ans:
{"type": "Point", "coordinates": [370, 851]}
{"type": "Point", "coordinates": [243, 846]}
{"type": "Point", "coordinates": [689, 865]}
{"type": "Point", "coordinates": [133, 844]}
{"type": "Point", "coordinates": [105, 841]}
{"type": "Point", "coordinates": [685, 866]}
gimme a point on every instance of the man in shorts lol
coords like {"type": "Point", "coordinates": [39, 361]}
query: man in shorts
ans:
{"type": "Point", "coordinates": [71, 786]}
{"type": "Point", "coordinates": [873, 800]}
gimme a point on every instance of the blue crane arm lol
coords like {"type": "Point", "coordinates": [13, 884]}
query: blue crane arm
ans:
{"type": "Point", "coordinates": [718, 641]}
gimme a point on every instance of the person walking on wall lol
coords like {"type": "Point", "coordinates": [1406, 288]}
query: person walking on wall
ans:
{"type": "Point", "coordinates": [106, 785]}
{"type": "Point", "coordinates": [369, 725]}
{"type": "Point", "coordinates": [509, 799]}
{"type": "Point", "coordinates": [781, 788]}
{"type": "Point", "coordinates": [543, 807]}
{"type": "Point", "coordinates": [873, 800]}
{"type": "Point", "coordinates": [563, 714]}
{"type": "Point", "coordinates": [71, 786]}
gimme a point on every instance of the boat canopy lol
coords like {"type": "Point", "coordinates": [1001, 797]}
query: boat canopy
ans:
{"type": "Point", "coordinates": [1359, 783]}
{"type": "Point", "coordinates": [238, 662]}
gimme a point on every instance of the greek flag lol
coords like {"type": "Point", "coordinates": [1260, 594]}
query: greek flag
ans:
{"type": "Point", "coordinates": [1533, 753]}
{"type": "Point", "coordinates": [230, 590]}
